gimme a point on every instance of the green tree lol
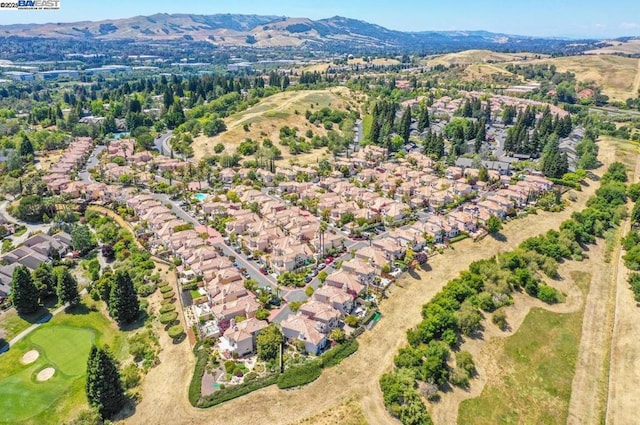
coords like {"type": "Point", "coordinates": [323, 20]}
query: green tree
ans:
{"type": "Point", "coordinates": [67, 289]}
{"type": "Point", "coordinates": [268, 342]}
{"type": "Point", "coordinates": [44, 279]}
{"type": "Point", "coordinates": [405, 125]}
{"type": "Point", "coordinates": [494, 224]}
{"type": "Point", "coordinates": [82, 239]}
{"type": "Point", "coordinates": [26, 147]}
{"type": "Point", "coordinates": [124, 306]}
{"type": "Point", "coordinates": [104, 387]}
{"type": "Point", "coordinates": [423, 119]}
{"type": "Point", "coordinates": [24, 293]}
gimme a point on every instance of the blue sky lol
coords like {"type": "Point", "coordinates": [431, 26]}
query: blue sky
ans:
{"type": "Point", "coordinates": [574, 18]}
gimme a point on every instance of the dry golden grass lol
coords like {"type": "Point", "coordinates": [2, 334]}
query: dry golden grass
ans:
{"type": "Point", "coordinates": [267, 117]}
{"type": "Point", "coordinates": [376, 61]}
{"type": "Point", "coordinates": [615, 74]}
{"type": "Point", "coordinates": [349, 413]}
{"type": "Point", "coordinates": [631, 47]}
{"type": "Point", "coordinates": [469, 57]}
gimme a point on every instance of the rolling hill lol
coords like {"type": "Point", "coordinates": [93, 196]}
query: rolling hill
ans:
{"type": "Point", "coordinates": [335, 33]}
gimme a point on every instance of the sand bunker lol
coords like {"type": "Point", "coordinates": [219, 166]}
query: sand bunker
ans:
{"type": "Point", "coordinates": [45, 374]}
{"type": "Point", "coordinates": [30, 356]}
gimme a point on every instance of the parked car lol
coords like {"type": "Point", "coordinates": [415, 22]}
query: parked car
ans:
{"type": "Point", "coordinates": [328, 260]}
{"type": "Point", "coordinates": [321, 266]}
{"type": "Point", "coordinates": [263, 271]}
{"type": "Point", "coordinates": [307, 279]}
{"type": "Point", "coordinates": [314, 272]}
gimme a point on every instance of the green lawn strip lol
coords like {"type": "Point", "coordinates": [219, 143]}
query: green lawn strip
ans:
{"type": "Point", "coordinates": [539, 362]}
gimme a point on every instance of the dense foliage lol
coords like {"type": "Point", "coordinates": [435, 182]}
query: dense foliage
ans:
{"type": "Point", "coordinates": [457, 310]}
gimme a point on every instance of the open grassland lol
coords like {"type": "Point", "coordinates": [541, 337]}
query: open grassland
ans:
{"type": "Point", "coordinates": [265, 119]}
{"type": "Point", "coordinates": [630, 47]}
{"type": "Point", "coordinates": [614, 74]}
{"type": "Point", "coordinates": [63, 344]}
{"type": "Point", "coordinates": [374, 61]}
{"type": "Point", "coordinates": [485, 72]}
{"type": "Point", "coordinates": [469, 57]}
{"type": "Point", "coordinates": [535, 370]}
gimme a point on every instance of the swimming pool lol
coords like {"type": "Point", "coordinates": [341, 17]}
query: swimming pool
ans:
{"type": "Point", "coordinates": [200, 196]}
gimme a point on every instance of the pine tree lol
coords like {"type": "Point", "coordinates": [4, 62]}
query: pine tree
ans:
{"type": "Point", "coordinates": [104, 387]}
{"type": "Point", "coordinates": [405, 125]}
{"type": "Point", "coordinates": [67, 289]}
{"type": "Point", "coordinates": [26, 147]}
{"type": "Point", "coordinates": [423, 119]}
{"type": "Point", "coordinates": [44, 279]}
{"type": "Point", "coordinates": [123, 300]}
{"type": "Point", "coordinates": [24, 293]}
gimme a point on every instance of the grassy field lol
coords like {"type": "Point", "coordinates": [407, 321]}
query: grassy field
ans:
{"type": "Point", "coordinates": [11, 324]}
{"type": "Point", "coordinates": [537, 365]}
{"type": "Point", "coordinates": [615, 74]}
{"type": "Point", "coordinates": [469, 57]}
{"type": "Point", "coordinates": [63, 344]}
{"type": "Point", "coordinates": [267, 117]}
{"type": "Point", "coordinates": [631, 47]}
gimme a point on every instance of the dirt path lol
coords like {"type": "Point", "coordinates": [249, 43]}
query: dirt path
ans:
{"type": "Point", "coordinates": [636, 82]}
{"type": "Point", "coordinates": [624, 392]}
{"type": "Point", "coordinates": [358, 375]}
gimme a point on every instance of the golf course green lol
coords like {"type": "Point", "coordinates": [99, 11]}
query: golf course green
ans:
{"type": "Point", "coordinates": [62, 344]}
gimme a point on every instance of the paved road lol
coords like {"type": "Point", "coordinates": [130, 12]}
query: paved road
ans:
{"type": "Point", "coordinates": [92, 162]}
{"type": "Point", "coordinates": [253, 270]}
{"type": "Point", "coordinates": [175, 207]}
{"type": "Point", "coordinates": [162, 143]}
{"type": "Point", "coordinates": [31, 227]}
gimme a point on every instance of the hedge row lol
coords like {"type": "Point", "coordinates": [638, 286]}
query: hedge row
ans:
{"type": "Point", "coordinates": [293, 377]}
{"type": "Point", "coordinates": [195, 387]}
{"type": "Point", "coordinates": [166, 288]}
{"type": "Point", "coordinates": [229, 393]}
{"type": "Point", "coordinates": [335, 355]}
{"type": "Point", "coordinates": [300, 375]}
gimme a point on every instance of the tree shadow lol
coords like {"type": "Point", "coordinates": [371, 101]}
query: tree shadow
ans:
{"type": "Point", "coordinates": [4, 345]}
{"type": "Point", "coordinates": [78, 310]}
{"type": "Point", "coordinates": [415, 275]}
{"type": "Point", "coordinates": [137, 324]}
{"type": "Point", "coordinates": [128, 410]}
{"type": "Point", "coordinates": [426, 267]}
{"type": "Point", "coordinates": [179, 339]}
{"type": "Point", "coordinates": [41, 315]}
{"type": "Point", "coordinates": [499, 237]}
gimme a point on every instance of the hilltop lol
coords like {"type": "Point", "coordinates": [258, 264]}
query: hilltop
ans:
{"type": "Point", "coordinates": [255, 31]}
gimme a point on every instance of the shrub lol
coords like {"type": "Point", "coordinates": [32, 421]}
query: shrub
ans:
{"type": "Point", "coordinates": [130, 376]}
{"type": "Point", "coordinates": [548, 294]}
{"type": "Point", "coordinates": [165, 288]}
{"type": "Point", "coordinates": [176, 331]}
{"type": "Point", "coordinates": [167, 308]}
{"type": "Point", "coordinates": [299, 375]}
{"type": "Point", "coordinates": [226, 394]}
{"type": "Point", "coordinates": [500, 319]}
{"type": "Point", "coordinates": [146, 290]}
{"type": "Point", "coordinates": [195, 387]}
{"type": "Point", "coordinates": [168, 295]}
{"type": "Point", "coordinates": [168, 317]}
{"type": "Point", "coordinates": [634, 282]}
{"type": "Point", "coordinates": [335, 355]}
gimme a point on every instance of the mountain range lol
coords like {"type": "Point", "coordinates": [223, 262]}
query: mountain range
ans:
{"type": "Point", "coordinates": [254, 31]}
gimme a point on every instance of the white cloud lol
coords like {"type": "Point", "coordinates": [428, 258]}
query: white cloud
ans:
{"type": "Point", "coordinates": [629, 25]}
{"type": "Point", "coordinates": [600, 26]}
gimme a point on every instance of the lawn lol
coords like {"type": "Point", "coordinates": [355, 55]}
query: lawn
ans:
{"type": "Point", "coordinates": [63, 344]}
{"type": "Point", "coordinates": [537, 364]}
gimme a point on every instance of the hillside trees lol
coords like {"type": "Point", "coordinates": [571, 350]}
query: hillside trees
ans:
{"type": "Point", "coordinates": [104, 387]}
{"type": "Point", "coordinates": [24, 293]}
{"type": "Point", "coordinates": [124, 306]}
